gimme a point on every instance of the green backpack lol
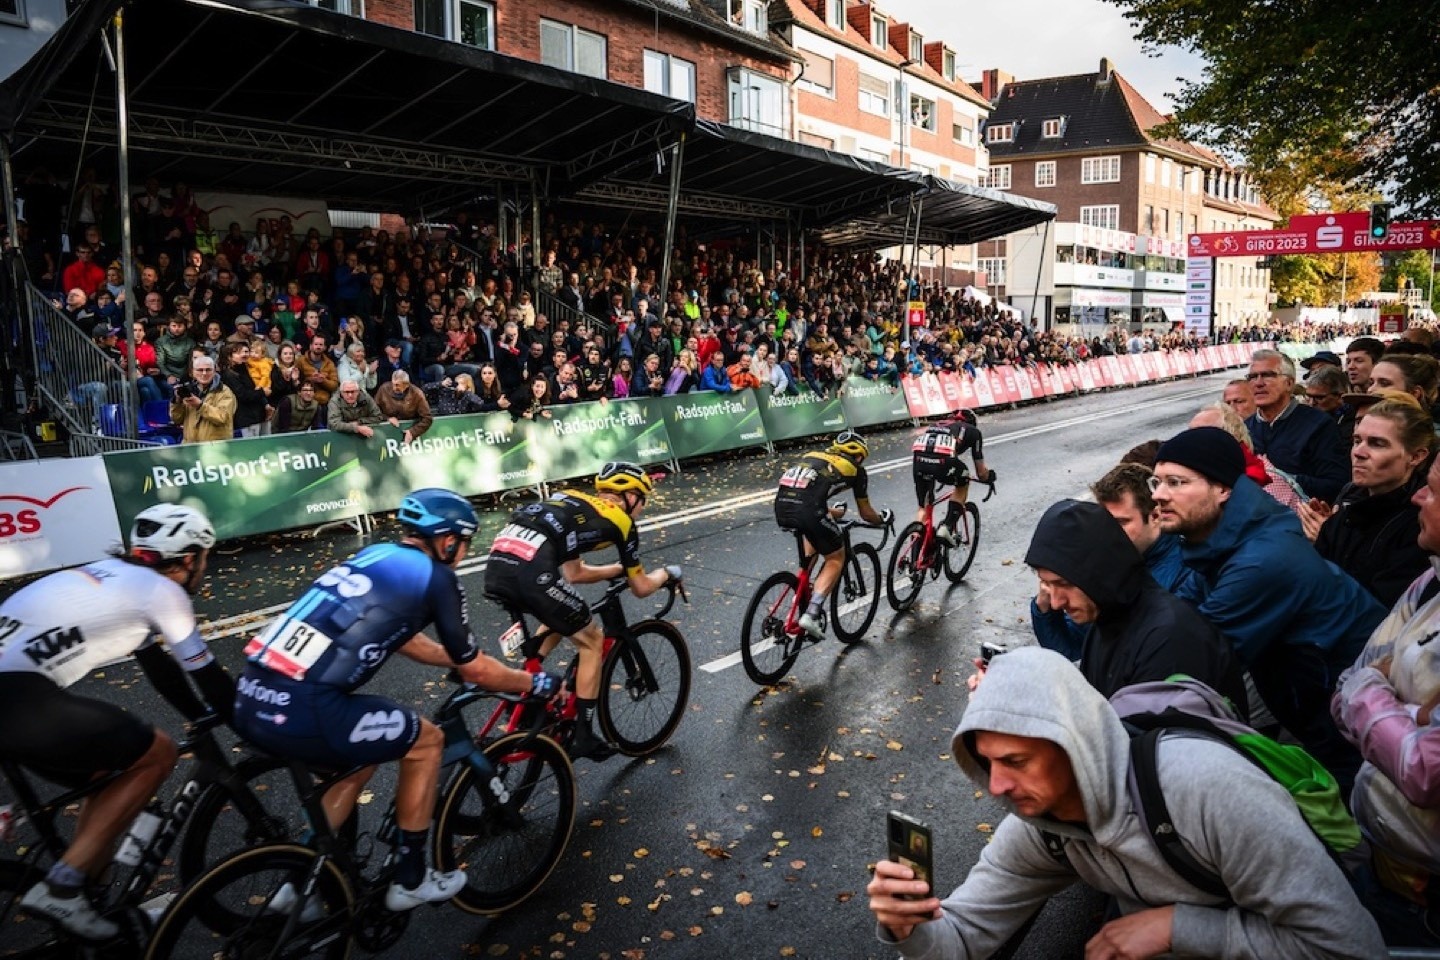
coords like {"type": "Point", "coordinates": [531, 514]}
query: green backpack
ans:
{"type": "Point", "coordinates": [1150, 710]}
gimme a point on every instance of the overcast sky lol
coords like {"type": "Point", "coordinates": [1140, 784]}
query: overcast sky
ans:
{"type": "Point", "coordinates": [1045, 38]}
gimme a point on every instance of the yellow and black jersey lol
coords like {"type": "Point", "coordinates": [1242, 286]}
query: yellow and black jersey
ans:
{"type": "Point", "coordinates": [574, 522]}
{"type": "Point", "coordinates": [818, 476]}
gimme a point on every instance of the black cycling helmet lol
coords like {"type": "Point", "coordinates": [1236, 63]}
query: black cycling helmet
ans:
{"type": "Point", "coordinates": [435, 511]}
{"type": "Point", "coordinates": [964, 415]}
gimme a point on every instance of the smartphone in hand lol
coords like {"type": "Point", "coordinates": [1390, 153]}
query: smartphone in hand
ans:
{"type": "Point", "coordinates": [909, 842]}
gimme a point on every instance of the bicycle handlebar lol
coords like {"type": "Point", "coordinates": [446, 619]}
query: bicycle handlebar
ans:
{"type": "Point", "coordinates": [619, 584]}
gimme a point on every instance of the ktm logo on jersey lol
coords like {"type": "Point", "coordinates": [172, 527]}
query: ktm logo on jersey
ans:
{"type": "Point", "coordinates": [50, 644]}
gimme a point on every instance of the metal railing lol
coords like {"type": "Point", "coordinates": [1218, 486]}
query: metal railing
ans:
{"type": "Point", "coordinates": [557, 309]}
{"type": "Point", "coordinates": [86, 444]}
{"type": "Point", "coordinates": [78, 381]}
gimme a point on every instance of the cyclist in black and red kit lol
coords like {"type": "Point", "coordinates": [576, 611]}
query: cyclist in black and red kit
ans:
{"type": "Point", "coordinates": [802, 504]}
{"type": "Point", "coordinates": [937, 452]}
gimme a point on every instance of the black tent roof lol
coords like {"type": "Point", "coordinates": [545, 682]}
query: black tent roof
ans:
{"type": "Point", "coordinates": [371, 117]}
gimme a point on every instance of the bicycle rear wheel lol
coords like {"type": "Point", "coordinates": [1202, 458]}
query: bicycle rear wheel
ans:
{"type": "Point", "coordinates": [967, 537]}
{"type": "Point", "coordinates": [219, 829]}
{"type": "Point", "coordinates": [24, 936]}
{"type": "Point", "coordinates": [902, 581]}
{"type": "Point", "coordinates": [507, 850]}
{"type": "Point", "coordinates": [644, 687]}
{"type": "Point", "coordinates": [766, 650]}
{"type": "Point", "coordinates": [241, 907]}
{"type": "Point", "coordinates": [856, 595]}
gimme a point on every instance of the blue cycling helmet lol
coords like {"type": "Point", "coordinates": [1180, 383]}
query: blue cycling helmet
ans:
{"type": "Point", "coordinates": [434, 511]}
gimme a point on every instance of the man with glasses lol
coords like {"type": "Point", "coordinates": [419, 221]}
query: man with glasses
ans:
{"type": "Point", "coordinates": [1302, 441]}
{"type": "Point", "coordinates": [203, 407]}
{"type": "Point", "coordinates": [352, 410]}
{"type": "Point", "coordinates": [1325, 390]}
{"type": "Point", "coordinates": [1294, 619]}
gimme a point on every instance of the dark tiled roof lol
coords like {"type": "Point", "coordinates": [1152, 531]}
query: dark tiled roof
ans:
{"type": "Point", "coordinates": [1098, 116]}
{"type": "Point", "coordinates": [700, 14]}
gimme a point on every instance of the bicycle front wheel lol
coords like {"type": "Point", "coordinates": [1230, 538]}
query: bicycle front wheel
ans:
{"type": "Point", "coordinates": [856, 596]}
{"type": "Point", "coordinates": [241, 908]}
{"type": "Point", "coordinates": [220, 825]}
{"type": "Point", "coordinates": [766, 649]}
{"type": "Point", "coordinates": [902, 580]}
{"type": "Point", "coordinates": [507, 848]}
{"type": "Point", "coordinates": [24, 936]}
{"type": "Point", "coordinates": [967, 537]}
{"type": "Point", "coordinates": [644, 687]}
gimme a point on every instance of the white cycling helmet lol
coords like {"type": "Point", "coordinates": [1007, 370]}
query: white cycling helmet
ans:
{"type": "Point", "coordinates": [170, 531]}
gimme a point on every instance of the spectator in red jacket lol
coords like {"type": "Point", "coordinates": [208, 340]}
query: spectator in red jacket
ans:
{"type": "Point", "coordinates": [84, 273]}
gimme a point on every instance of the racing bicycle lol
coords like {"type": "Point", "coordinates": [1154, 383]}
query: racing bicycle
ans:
{"type": "Point", "coordinates": [771, 637]}
{"type": "Point", "coordinates": [920, 555]}
{"type": "Point", "coordinates": [505, 817]}
{"type": "Point", "coordinates": [645, 676]}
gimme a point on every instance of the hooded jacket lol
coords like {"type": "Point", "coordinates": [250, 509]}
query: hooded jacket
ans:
{"type": "Point", "coordinates": [1261, 582]}
{"type": "Point", "coordinates": [1289, 897]}
{"type": "Point", "coordinates": [1141, 631]}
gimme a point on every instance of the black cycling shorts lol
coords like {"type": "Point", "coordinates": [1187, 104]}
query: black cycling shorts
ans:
{"type": "Point", "coordinates": [321, 725]}
{"type": "Point", "coordinates": [65, 738]}
{"type": "Point", "coordinates": [821, 530]}
{"type": "Point", "coordinates": [536, 587]}
{"type": "Point", "coordinates": [930, 475]}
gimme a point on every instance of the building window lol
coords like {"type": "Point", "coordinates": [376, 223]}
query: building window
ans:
{"type": "Point", "coordinates": [669, 76]}
{"type": "Point", "coordinates": [922, 112]}
{"type": "Point", "coordinates": [962, 134]}
{"type": "Point", "coordinates": [1045, 173]}
{"type": "Point", "coordinates": [948, 60]}
{"type": "Point", "coordinates": [757, 102]}
{"type": "Point", "coordinates": [1107, 216]}
{"type": "Point", "coordinates": [917, 47]}
{"type": "Point", "coordinates": [1052, 128]}
{"type": "Point", "coordinates": [1148, 224]}
{"type": "Point", "coordinates": [815, 140]}
{"type": "Point", "coordinates": [874, 96]}
{"type": "Point", "coordinates": [571, 48]}
{"type": "Point", "coordinates": [1166, 167]}
{"type": "Point", "coordinates": [1149, 168]}
{"type": "Point", "coordinates": [819, 73]}
{"type": "Point", "coordinates": [879, 32]}
{"type": "Point", "coordinates": [878, 156]}
{"type": "Point", "coordinates": [998, 178]}
{"type": "Point", "coordinates": [994, 270]}
{"type": "Point", "coordinates": [749, 15]}
{"type": "Point", "coordinates": [1100, 170]}
{"type": "Point", "coordinates": [471, 22]}
{"type": "Point", "coordinates": [353, 8]}
{"type": "Point", "coordinates": [835, 13]}
{"type": "Point", "coordinates": [1000, 133]}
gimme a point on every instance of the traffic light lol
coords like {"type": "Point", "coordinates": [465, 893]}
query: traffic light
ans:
{"type": "Point", "coordinates": [1379, 220]}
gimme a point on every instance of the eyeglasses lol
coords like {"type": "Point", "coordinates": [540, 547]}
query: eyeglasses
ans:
{"type": "Point", "coordinates": [1170, 482]}
{"type": "Point", "coordinates": [1316, 397]}
{"type": "Point", "coordinates": [1264, 375]}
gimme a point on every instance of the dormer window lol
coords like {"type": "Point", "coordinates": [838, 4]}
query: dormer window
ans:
{"type": "Point", "coordinates": [1000, 133]}
{"type": "Point", "coordinates": [749, 15]}
{"type": "Point", "coordinates": [879, 32]}
{"type": "Point", "coordinates": [948, 61]}
{"type": "Point", "coordinates": [917, 47]}
{"type": "Point", "coordinates": [835, 14]}
{"type": "Point", "coordinates": [1052, 129]}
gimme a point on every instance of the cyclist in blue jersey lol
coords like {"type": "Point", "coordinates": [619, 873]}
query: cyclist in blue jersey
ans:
{"type": "Point", "coordinates": [297, 696]}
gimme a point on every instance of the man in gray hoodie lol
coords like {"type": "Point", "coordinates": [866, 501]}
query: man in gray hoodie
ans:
{"type": "Point", "coordinates": [1042, 739]}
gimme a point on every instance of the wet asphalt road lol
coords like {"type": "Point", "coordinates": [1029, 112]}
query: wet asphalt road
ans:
{"type": "Point", "coordinates": [792, 783]}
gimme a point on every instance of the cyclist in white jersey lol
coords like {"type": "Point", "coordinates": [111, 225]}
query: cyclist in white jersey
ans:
{"type": "Point", "coordinates": [53, 633]}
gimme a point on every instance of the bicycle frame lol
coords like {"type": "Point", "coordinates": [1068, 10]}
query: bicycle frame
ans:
{"type": "Point", "coordinates": [806, 568]}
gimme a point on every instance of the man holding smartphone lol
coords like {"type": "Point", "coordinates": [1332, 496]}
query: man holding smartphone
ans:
{"type": "Point", "coordinates": [1054, 751]}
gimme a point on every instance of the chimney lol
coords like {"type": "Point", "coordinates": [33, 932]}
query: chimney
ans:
{"type": "Point", "coordinates": [992, 82]}
{"type": "Point", "coordinates": [1106, 69]}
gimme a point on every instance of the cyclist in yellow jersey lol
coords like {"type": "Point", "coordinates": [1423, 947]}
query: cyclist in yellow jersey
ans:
{"type": "Point", "coordinates": [802, 504]}
{"type": "Point", "coordinates": [536, 557]}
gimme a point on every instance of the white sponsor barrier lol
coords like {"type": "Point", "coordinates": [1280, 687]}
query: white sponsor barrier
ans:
{"type": "Point", "coordinates": [54, 513]}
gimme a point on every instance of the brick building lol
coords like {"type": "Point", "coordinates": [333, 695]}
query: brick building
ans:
{"type": "Point", "coordinates": [1126, 197]}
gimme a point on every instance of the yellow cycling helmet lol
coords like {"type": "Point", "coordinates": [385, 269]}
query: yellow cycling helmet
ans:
{"type": "Point", "coordinates": [618, 476]}
{"type": "Point", "coordinates": [851, 444]}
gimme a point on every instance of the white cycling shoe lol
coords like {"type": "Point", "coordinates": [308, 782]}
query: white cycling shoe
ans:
{"type": "Point", "coordinates": [812, 625]}
{"type": "Point", "coordinates": [943, 532]}
{"type": "Point", "coordinates": [437, 887]}
{"type": "Point", "coordinates": [284, 901]}
{"type": "Point", "coordinates": [76, 915]}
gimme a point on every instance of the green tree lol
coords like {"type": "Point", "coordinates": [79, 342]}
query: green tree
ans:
{"type": "Point", "coordinates": [1348, 91]}
{"type": "Point", "coordinates": [1412, 265]}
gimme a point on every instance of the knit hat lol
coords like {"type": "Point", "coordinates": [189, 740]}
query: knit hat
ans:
{"type": "Point", "coordinates": [1209, 451]}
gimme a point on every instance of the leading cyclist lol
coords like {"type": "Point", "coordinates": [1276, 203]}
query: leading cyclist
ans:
{"type": "Point", "coordinates": [55, 632]}
{"type": "Point", "coordinates": [937, 453]}
{"type": "Point", "coordinates": [536, 557]}
{"type": "Point", "coordinates": [802, 504]}
{"type": "Point", "coordinates": [297, 697]}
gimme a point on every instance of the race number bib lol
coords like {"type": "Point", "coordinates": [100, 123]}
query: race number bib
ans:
{"type": "Point", "coordinates": [936, 444]}
{"type": "Point", "coordinates": [798, 477]}
{"type": "Point", "coordinates": [512, 640]}
{"type": "Point", "coordinates": [288, 647]}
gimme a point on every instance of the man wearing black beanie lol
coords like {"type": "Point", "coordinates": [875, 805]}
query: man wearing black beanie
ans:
{"type": "Point", "coordinates": [1295, 619]}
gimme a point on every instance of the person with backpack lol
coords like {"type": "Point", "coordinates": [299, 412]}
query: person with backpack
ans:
{"type": "Point", "coordinates": [1038, 736]}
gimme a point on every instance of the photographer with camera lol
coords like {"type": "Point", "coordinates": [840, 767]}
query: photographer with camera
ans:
{"type": "Point", "coordinates": [203, 407]}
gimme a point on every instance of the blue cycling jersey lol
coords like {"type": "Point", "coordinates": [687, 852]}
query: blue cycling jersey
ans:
{"type": "Point", "coordinates": [341, 630]}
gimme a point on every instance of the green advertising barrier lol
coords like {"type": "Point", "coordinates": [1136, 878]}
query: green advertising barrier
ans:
{"type": "Point", "coordinates": [868, 403]}
{"type": "Point", "coordinates": [264, 484]}
{"type": "Point", "coordinates": [577, 440]}
{"type": "Point", "coordinates": [800, 415]}
{"type": "Point", "coordinates": [709, 422]}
